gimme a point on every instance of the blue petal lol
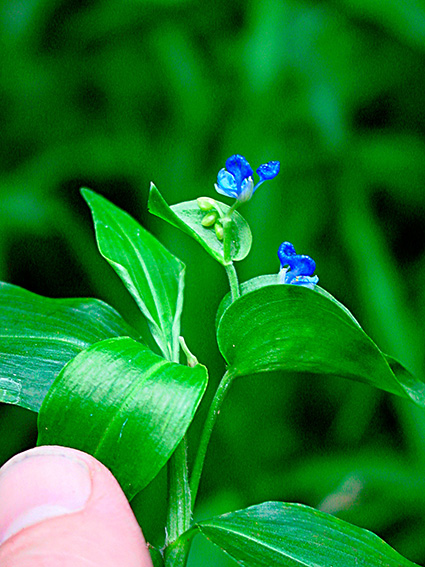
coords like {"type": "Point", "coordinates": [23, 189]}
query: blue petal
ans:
{"type": "Point", "coordinates": [268, 170]}
{"type": "Point", "coordinates": [302, 265]}
{"type": "Point", "coordinates": [239, 167]}
{"type": "Point", "coordinates": [226, 180]}
{"type": "Point", "coordinates": [226, 184]}
{"type": "Point", "coordinates": [285, 253]}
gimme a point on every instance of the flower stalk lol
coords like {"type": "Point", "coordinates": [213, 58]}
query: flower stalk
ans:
{"type": "Point", "coordinates": [213, 413]}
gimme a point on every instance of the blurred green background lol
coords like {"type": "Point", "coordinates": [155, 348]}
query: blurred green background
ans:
{"type": "Point", "coordinates": [114, 94]}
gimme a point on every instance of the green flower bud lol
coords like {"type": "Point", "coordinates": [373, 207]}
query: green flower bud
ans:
{"type": "Point", "coordinates": [205, 203]}
{"type": "Point", "coordinates": [218, 231]}
{"type": "Point", "coordinates": [209, 219]}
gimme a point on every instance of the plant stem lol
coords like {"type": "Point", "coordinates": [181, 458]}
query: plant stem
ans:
{"type": "Point", "coordinates": [233, 281]}
{"type": "Point", "coordinates": [179, 500]}
{"type": "Point", "coordinates": [227, 239]}
{"type": "Point", "coordinates": [206, 433]}
{"type": "Point", "coordinates": [179, 497]}
{"type": "Point", "coordinates": [227, 223]}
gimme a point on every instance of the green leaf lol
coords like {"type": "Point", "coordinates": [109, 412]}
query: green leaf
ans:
{"type": "Point", "coordinates": [176, 552]}
{"type": "Point", "coordinates": [125, 405]}
{"type": "Point", "coordinates": [188, 216]}
{"type": "Point", "coordinates": [273, 279]}
{"type": "Point", "coordinates": [156, 557]}
{"type": "Point", "coordinates": [414, 388]}
{"type": "Point", "coordinates": [293, 535]}
{"type": "Point", "coordinates": [292, 328]}
{"type": "Point", "coordinates": [246, 287]}
{"type": "Point", "coordinates": [153, 276]}
{"type": "Point", "coordinates": [39, 335]}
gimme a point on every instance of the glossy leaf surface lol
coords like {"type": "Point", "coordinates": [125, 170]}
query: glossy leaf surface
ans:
{"type": "Point", "coordinates": [291, 328]}
{"type": "Point", "coordinates": [153, 276]}
{"type": "Point", "coordinates": [293, 535]}
{"type": "Point", "coordinates": [188, 217]}
{"type": "Point", "coordinates": [39, 335]}
{"type": "Point", "coordinates": [125, 405]}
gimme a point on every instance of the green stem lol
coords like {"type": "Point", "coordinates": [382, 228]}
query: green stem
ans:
{"type": "Point", "coordinates": [227, 223]}
{"type": "Point", "coordinates": [233, 281]}
{"type": "Point", "coordinates": [179, 504]}
{"type": "Point", "coordinates": [227, 239]}
{"type": "Point", "coordinates": [206, 433]}
{"type": "Point", "coordinates": [233, 208]}
{"type": "Point", "coordinates": [179, 512]}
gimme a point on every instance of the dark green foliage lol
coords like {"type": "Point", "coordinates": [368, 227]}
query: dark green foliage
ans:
{"type": "Point", "coordinates": [113, 95]}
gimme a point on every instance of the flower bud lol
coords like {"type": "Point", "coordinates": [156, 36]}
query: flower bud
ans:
{"type": "Point", "coordinates": [205, 203]}
{"type": "Point", "coordinates": [219, 232]}
{"type": "Point", "coordinates": [209, 219]}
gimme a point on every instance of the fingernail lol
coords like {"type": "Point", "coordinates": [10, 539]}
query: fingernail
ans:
{"type": "Point", "coordinates": [39, 484]}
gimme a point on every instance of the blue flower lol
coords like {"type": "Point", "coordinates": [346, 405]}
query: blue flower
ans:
{"type": "Point", "coordinates": [301, 268]}
{"type": "Point", "coordinates": [235, 180]}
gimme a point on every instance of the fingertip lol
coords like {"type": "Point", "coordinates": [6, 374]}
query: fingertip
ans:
{"type": "Point", "coordinates": [61, 500]}
{"type": "Point", "coordinates": [41, 483]}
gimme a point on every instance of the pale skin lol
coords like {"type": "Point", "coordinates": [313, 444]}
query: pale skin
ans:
{"type": "Point", "coordinates": [62, 507]}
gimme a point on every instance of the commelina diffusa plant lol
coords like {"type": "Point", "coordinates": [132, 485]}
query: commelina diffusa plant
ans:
{"type": "Point", "coordinates": [98, 388]}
